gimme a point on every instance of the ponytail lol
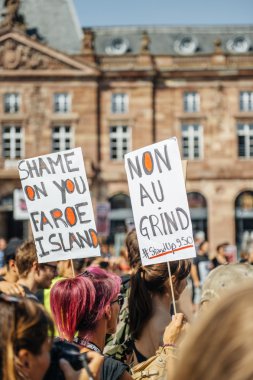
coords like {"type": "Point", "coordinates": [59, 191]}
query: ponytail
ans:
{"type": "Point", "coordinates": [140, 303]}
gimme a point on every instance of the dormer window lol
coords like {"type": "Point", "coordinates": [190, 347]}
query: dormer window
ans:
{"type": "Point", "coordinates": [239, 44]}
{"type": "Point", "coordinates": [186, 45]}
{"type": "Point", "coordinates": [117, 46]}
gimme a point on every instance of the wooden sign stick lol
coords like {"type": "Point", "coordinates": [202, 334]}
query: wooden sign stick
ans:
{"type": "Point", "coordinates": [184, 166]}
{"type": "Point", "coordinates": [73, 269]}
{"type": "Point", "coordinates": [172, 289]}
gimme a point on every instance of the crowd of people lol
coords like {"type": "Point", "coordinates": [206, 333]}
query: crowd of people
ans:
{"type": "Point", "coordinates": [112, 318]}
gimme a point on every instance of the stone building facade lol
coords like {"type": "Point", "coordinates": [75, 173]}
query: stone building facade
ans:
{"type": "Point", "coordinates": [112, 90]}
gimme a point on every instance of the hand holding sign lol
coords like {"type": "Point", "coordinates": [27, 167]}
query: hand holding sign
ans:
{"type": "Point", "coordinates": [59, 204]}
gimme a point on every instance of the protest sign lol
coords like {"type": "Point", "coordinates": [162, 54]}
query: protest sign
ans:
{"type": "Point", "coordinates": [102, 218]}
{"type": "Point", "coordinates": [59, 203]}
{"type": "Point", "coordinates": [20, 211]}
{"type": "Point", "coordinates": [159, 202]}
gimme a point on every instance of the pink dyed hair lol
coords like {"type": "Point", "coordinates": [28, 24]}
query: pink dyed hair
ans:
{"type": "Point", "coordinates": [78, 303]}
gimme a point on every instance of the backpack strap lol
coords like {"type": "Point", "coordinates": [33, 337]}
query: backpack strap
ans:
{"type": "Point", "coordinates": [155, 367]}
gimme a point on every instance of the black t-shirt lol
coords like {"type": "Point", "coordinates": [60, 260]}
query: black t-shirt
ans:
{"type": "Point", "coordinates": [216, 263]}
{"type": "Point", "coordinates": [125, 284]}
{"type": "Point", "coordinates": [203, 267]}
{"type": "Point", "coordinates": [29, 294]}
{"type": "Point", "coordinates": [112, 369]}
{"type": "Point", "coordinates": [140, 358]}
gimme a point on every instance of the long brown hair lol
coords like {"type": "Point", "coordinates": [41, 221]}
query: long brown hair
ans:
{"type": "Point", "coordinates": [133, 252]}
{"type": "Point", "coordinates": [148, 280]}
{"type": "Point", "coordinates": [23, 324]}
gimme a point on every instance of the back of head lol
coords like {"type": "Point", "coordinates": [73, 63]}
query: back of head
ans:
{"type": "Point", "coordinates": [223, 278]}
{"type": "Point", "coordinates": [11, 249]}
{"type": "Point", "coordinates": [25, 257]}
{"type": "Point", "coordinates": [199, 236]}
{"type": "Point", "coordinates": [78, 265]}
{"type": "Point", "coordinates": [94, 290]}
{"type": "Point", "coordinates": [133, 252]}
{"type": "Point", "coordinates": [219, 345]}
{"type": "Point", "coordinates": [150, 280]}
{"type": "Point", "coordinates": [102, 262]}
{"type": "Point", "coordinates": [203, 247]}
{"type": "Point", "coordinates": [220, 247]}
{"type": "Point", "coordinates": [24, 324]}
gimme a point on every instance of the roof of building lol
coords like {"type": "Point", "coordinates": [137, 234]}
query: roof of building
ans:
{"type": "Point", "coordinates": [55, 22]}
{"type": "Point", "coordinates": [174, 40]}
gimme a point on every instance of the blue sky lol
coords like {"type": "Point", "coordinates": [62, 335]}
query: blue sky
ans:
{"type": "Point", "coordinates": [164, 12]}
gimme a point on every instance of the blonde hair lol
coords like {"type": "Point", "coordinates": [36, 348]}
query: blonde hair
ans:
{"type": "Point", "coordinates": [219, 346]}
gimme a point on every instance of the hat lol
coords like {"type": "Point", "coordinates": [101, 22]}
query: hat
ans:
{"type": "Point", "coordinates": [223, 278]}
{"type": "Point", "coordinates": [11, 249]}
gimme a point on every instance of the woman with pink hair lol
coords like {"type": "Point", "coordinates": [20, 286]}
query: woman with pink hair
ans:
{"type": "Point", "coordinates": [89, 305]}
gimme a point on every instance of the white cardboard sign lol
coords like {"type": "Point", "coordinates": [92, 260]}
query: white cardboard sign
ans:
{"type": "Point", "coordinates": [159, 201]}
{"type": "Point", "coordinates": [59, 203]}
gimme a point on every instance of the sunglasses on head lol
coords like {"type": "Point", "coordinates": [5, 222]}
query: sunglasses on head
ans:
{"type": "Point", "coordinates": [86, 274]}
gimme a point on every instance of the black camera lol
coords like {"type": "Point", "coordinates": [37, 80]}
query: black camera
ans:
{"type": "Point", "coordinates": [68, 351]}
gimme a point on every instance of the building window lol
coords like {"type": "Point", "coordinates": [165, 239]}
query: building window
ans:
{"type": "Point", "coordinates": [119, 103]}
{"type": "Point", "coordinates": [245, 140]}
{"type": "Point", "coordinates": [246, 101]}
{"type": "Point", "coordinates": [119, 141]}
{"type": "Point", "coordinates": [191, 102]}
{"type": "Point", "coordinates": [11, 103]}
{"type": "Point", "coordinates": [192, 141]}
{"type": "Point", "coordinates": [62, 103]}
{"type": "Point", "coordinates": [244, 220]}
{"type": "Point", "coordinates": [62, 138]}
{"type": "Point", "coordinates": [198, 211]}
{"type": "Point", "coordinates": [12, 141]}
